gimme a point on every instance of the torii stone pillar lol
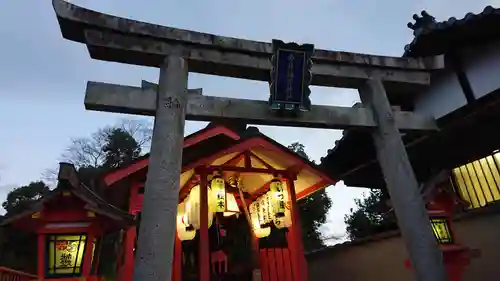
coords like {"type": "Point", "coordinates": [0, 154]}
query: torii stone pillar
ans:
{"type": "Point", "coordinates": [413, 219]}
{"type": "Point", "coordinates": [161, 196]}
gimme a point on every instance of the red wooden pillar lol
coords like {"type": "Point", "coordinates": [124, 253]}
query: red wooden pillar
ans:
{"type": "Point", "coordinates": [87, 258]}
{"type": "Point", "coordinates": [131, 234]}
{"type": "Point", "coordinates": [130, 237]}
{"type": "Point", "coordinates": [98, 255]}
{"type": "Point", "coordinates": [177, 270]}
{"type": "Point", "coordinates": [299, 261]}
{"type": "Point", "coordinates": [41, 256]}
{"type": "Point", "coordinates": [204, 259]}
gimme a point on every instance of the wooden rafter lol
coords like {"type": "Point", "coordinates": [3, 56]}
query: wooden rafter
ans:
{"type": "Point", "coordinates": [235, 159]}
{"type": "Point", "coordinates": [267, 165]}
{"type": "Point", "coordinates": [187, 186]}
{"type": "Point", "coordinates": [248, 161]}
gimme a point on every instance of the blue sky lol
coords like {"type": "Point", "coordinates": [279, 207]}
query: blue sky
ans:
{"type": "Point", "coordinates": [43, 77]}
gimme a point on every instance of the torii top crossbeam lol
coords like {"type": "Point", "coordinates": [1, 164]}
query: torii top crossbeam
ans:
{"type": "Point", "coordinates": [112, 38]}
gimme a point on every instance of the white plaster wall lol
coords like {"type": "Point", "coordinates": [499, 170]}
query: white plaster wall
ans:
{"type": "Point", "coordinates": [482, 67]}
{"type": "Point", "coordinates": [443, 96]}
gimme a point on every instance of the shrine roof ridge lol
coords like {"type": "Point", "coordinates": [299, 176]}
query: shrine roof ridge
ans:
{"type": "Point", "coordinates": [68, 181]}
{"type": "Point", "coordinates": [434, 38]}
{"type": "Point", "coordinates": [74, 21]}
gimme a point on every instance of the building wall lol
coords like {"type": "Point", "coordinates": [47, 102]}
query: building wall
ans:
{"type": "Point", "coordinates": [383, 258]}
{"type": "Point", "coordinates": [482, 67]}
{"type": "Point", "coordinates": [445, 95]}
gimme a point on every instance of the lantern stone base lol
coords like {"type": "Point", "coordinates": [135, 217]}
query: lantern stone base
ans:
{"type": "Point", "coordinates": [456, 258]}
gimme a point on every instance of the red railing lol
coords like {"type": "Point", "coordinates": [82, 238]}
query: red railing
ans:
{"type": "Point", "coordinates": [7, 274]}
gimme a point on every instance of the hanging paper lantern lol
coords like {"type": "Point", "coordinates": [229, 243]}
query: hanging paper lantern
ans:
{"type": "Point", "coordinates": [265, 214]}
{"type": "Point", "coordinates": [254, 216]}
{"type": "Point", "coordinates": [277, 198]}
{"type": "Point", "coordinates": [262, 211]}
{"type": "Point", "coordinates": [286, 220]}
{"type": "Point", "coordinates": [218, 193]}
{"type": "Point", "coordinates": [184, 231]}
{"type": "Point", "coordinates": [231, 205]}
{"type": "Point", "coordinates": [194, 208]}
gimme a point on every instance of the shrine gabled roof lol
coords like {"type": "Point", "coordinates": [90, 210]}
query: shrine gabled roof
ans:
{"type": "Point", "coordinates": [213, 136]}
{"type": "Point", "coordinates": [435, 38]}
{"type": "Point", "coordinates": [68, 182]}
{"type": "Point", "coordinates": [221, 149]}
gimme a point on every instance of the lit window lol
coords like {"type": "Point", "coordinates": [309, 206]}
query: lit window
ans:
{"type": "Point", "coordinates": [441, 230]}
{"type": "Point", "coordinates": [478, 182]}
{"type": "Point", "coordinates": [65, 254]}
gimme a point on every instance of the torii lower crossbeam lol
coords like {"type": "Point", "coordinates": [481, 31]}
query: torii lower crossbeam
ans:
{"type": "Point", "coordinates": [143, 100]}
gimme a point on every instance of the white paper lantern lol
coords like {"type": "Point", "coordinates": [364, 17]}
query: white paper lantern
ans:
{"type": "Point", "coordinates": [254, 216]}
{"type": "Point", "coordinates": [231, 205]}
{"type": "Point", "coordinates": [286, 220]}
{"type": "Point", "coordinates": [182, 227]}
{"type": "Point", "coordinates": [193, 208]}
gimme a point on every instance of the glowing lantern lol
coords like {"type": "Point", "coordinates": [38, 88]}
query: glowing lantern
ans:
{"type": "Point", "coordinates": [65, 254]}
{"type": "Point", "coordinates": [232, 205]}
{"type": "Point", "coordinates": [441, 229]}
{"type": "Point", "coordinates": [277, 198]}
{"type": "Point", "coordinates": [254, 216]}
{"type": "Point", "coordinates": [193, 208]}
{"type": "Point", "coordinates": [218, 194]}
{"type": "Point", "coordinates": [264, 217]}
{"type": "Point", "coordinates": [184, 231]}
{"type": "Point", "coordinates": [286, 220]}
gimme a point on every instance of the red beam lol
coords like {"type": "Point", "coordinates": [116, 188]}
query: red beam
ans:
{"type": "Point", "coordinates": [219, 130]}
{"type": "Point", "coordinates": [310, 190]}
{"type": "Point", "coordinates": [204, 246]}
{"type": "Point", "coordinates": [190, 140]}
{"type": "Point", "coordinates": [244, 170]}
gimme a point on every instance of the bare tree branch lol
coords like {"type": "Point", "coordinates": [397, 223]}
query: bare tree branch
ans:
{"type": "Point", "coordinates": [140, 130]}
{"type": "Point", "coordinates": [89, 151]}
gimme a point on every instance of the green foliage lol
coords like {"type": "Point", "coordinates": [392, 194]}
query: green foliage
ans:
{"type": "Point", "coordinates": [313, 210]}
{"type": "Point", "coordinates": [18, 249]}
{"type": "Point", "coordinates": [120, 149]}
{"type": "Point", "coordinates": [370, 217]}
{"type": "Point", "coordinates": [106, 149]}
{"type": "Point", "coordinates": [21, 198]}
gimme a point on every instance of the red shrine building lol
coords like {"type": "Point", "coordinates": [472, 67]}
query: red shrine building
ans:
{"type": "Point", "coordinates": [69, 223]}
{"type": "Point", "coordinates": [238, 198]}
{"type": "Point", "coordinates": [237, 212]}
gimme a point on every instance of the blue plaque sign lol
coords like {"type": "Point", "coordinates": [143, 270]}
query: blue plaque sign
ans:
{"type": "Point", "coordinates": [290, 76]}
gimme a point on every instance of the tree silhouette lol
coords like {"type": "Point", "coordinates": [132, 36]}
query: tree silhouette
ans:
{"type": "Point", "coordinates": [370, 217]}
{"type": "Point", "coordinates": [313, 210]}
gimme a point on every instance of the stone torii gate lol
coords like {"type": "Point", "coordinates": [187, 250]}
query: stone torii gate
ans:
{"type": "Point", "coordinates": [111, 38]}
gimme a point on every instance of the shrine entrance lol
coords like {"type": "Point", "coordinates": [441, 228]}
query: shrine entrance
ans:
{"type": "Point", "coordinates": [290, 69]}
{"type": "Point", "coordinates": [250, 185]}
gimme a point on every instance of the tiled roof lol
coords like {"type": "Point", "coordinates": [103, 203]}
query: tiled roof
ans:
{"type": "Point", "coordinates": [432, 37]}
